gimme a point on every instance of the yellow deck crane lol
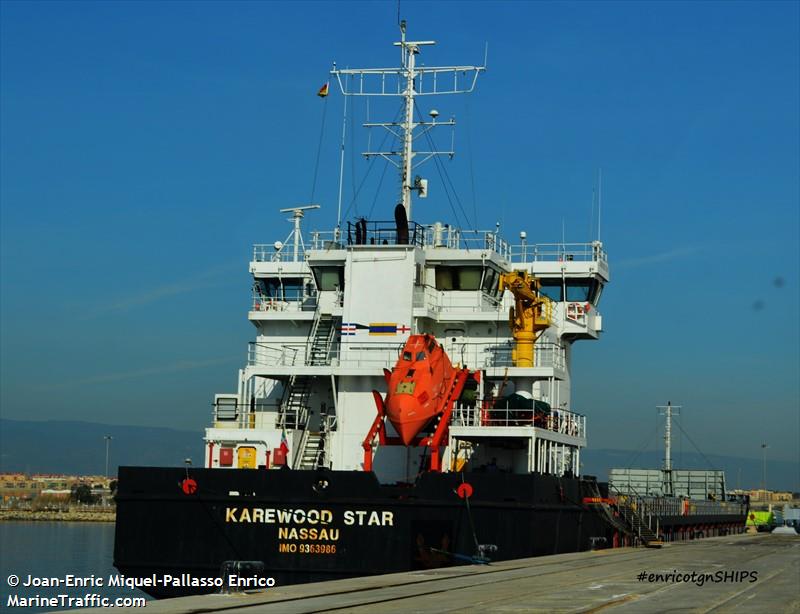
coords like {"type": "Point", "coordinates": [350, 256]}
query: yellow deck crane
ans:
{"type": "Point", "coordinates": [531, 314]}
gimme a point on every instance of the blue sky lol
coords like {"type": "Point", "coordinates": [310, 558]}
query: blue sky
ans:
{"type": "Point", "coordinates": [146, 146]}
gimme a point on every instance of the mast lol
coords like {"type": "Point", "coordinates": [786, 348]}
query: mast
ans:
{"type": "Point", "coordinates": [408, 81]}
{"type": "Point", "coordinates": [408, 53]}
{"type": "Point", "coordinates": [667, 411]}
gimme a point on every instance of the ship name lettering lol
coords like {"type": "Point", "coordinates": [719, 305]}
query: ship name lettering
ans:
{"type": "Point", "coordinates": [268, 515]}
{"type": "Point", "coordinates": [311, 534]}
{"type": "Point", "coordinates": [371, 519]}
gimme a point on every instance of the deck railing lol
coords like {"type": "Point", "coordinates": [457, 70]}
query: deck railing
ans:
{"type": "Point", "coordinates": [265, 303]}
{"type": "Point", "coordinates": [556, 420]}
{"type": "Point", "coordinates": [471, 301]}
{"type": "Point", "coordinates": [440, 236]}
{"type": "Point", "coordinates": [379, 355]}
{"type": "Point", "coordinates": [660, 507]}
{"type": "Point", "coordinates": [558, 252]}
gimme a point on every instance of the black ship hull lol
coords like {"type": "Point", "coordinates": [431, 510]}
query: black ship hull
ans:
{"type": "Point", "coordinates": [311, 526]}
{"type": "Point", "coordinates": [308, 526]}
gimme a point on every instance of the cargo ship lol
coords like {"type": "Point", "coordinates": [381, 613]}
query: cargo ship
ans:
{"type": "Point", "coordinates": [406, 402]}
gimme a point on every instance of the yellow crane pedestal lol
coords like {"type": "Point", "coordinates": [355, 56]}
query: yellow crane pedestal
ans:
{"type": "Point", "coordinates": [531, 314]}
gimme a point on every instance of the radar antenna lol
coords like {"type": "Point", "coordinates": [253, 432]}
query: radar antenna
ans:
{"type": "Point", "coordinates": [296, 237]}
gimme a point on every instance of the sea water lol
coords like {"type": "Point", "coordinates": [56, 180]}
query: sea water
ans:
{"type": "Point", "coordinates": [49, 550]}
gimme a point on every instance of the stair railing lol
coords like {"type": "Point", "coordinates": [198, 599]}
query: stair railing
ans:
{"type": "Point", "coordinates": [283, 404]}
{"type": "Point", "coordinates": [300, 409]}
{"type": "Point", "coordinates": [619, 525]}
{"type": "Point", "coordinates": [313, 333]}
{"type": "Point", "coordinates": [298, 454]}
{"type": "Point", "coordinates": [329, 340]}
{"type": "Point", "coordinates": [638, 515]}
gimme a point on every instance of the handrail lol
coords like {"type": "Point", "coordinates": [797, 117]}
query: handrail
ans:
{"type": "Point", "coordinates": [312, 333]}
{"type": "Point", "coordinates": [485, 415]}
{"type": "Point", "coordinates": [380, 232]}
{"type": "Point", "coordinates": [266, 303]}
{"type": "Point", "coordinates": [677, 506]}
{"type": "Point", "coordinates": [368, 354]}
{"type": "Point", "coordinates": [452, 237]}
{"type": "Point", "coordinates": [637, 510]}
{"type": "Point", "coordinates": [298, 453]}
{"type": "Point", "coordinates": [559, 252]}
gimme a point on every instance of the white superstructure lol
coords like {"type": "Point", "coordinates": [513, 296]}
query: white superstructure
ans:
{"type": "Point", "coordinates": [332, 312]}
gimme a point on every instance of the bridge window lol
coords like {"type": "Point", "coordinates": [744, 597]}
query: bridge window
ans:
{"type": "Point", "coordinates": [551, 288]}
{"type": "Point", "coordinates": [490, 281]}
{"type": "Point", "coordinates": [281, 289]}
{"type": "Point", "coordinates": [469, 278]}
{"type": "Point", "coordinates": [578, 290]}
{"type": "Point", "coordinates": [444, 278]}
{"type": "Point", "coordinates": [329, 277]}
{"type": "Point", "coordinates": [582, 290]}
{"type": "Point", "coordinates": [458, 278]}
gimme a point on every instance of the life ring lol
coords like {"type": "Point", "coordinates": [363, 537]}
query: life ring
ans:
{"type": "Point", "coordinates": [189, 486]}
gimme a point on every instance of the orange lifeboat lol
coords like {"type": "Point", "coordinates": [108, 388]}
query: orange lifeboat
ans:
{"type": "Point", "coordinates": [418, 386]}
{"type": "Point", "coordinates": [423, 388]}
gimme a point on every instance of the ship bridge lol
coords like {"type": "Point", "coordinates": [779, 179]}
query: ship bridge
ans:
{"type": "Point", "coordinates": [331, 314]}
{"type": "Point", "coordinates": [320, 350]}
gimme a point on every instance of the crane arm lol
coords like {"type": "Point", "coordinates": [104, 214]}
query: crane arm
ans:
{"type": "Point", "coordinates": [531, 314]}
{"type": "Point", "coordinates": [519, 284]}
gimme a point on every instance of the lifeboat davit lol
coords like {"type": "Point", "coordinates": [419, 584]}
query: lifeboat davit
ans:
{"type": "Point", "coordinates": [418, 386]}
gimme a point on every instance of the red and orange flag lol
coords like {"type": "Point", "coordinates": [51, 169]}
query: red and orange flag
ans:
{"type": "Point", "coordinates": [323, 91]}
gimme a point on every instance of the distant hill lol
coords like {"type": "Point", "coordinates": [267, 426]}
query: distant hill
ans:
{"type": "Point", "coordinates": [80, 448]}
{"type": "Point", "coordinates": [781, 475]}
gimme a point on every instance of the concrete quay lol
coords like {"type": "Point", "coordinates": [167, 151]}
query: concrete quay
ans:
{"type": "Point", "coordinates": [72, 515]}
{"type": "Point", "coordinates": [605, 580]}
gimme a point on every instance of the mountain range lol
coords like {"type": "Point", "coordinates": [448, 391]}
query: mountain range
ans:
{"type": "Point", "coordinates": [79, 448]}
